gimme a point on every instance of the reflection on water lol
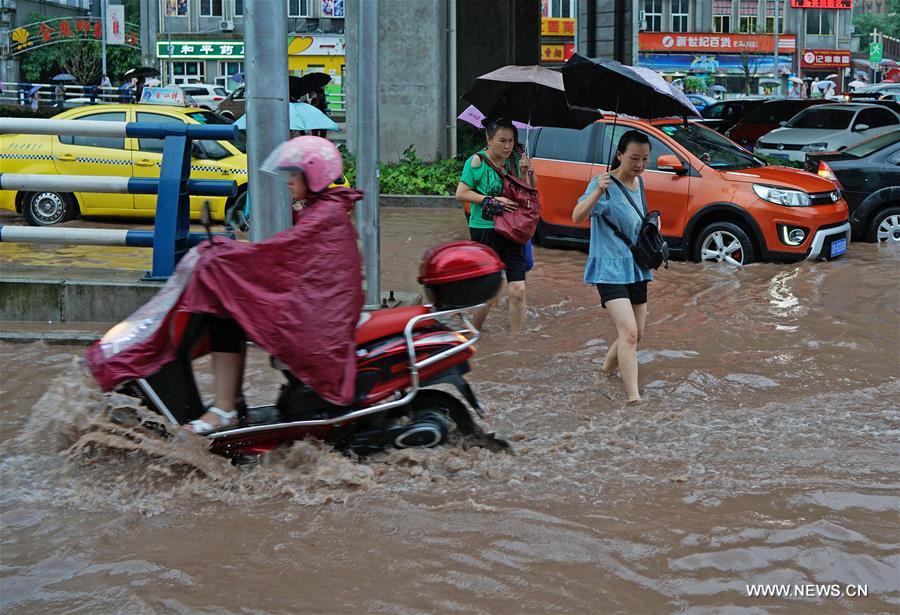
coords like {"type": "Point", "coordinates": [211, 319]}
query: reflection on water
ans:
{"type": "Point", "coordinates": [765, 452]}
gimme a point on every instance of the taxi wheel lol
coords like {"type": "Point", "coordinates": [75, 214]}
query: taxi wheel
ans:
{"type": "Point", "coordinates": [46, 208]}
{"type": "Point", "coordinates": [724, 242]}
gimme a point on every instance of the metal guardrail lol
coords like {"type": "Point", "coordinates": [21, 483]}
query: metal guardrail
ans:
{"type": "Point", "coordinates": [14, 94]}
{"type": "Point", "coordinates": [170, 238]}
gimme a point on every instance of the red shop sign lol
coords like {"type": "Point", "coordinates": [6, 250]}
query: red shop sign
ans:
{"type": "Point", "coordinates": [825, 58]}
{"type": "Point", "coordinates": [712, 42]}
{"type": "Point", "coordinates": [821, 4]}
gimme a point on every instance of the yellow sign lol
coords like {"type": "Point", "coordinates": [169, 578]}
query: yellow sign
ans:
{"type": "Point", "coordinates": [20, 35]}
{"type": "Point", "coordinates": [556, 26]}
{"type": "Point", "coordinates": [552, 53]}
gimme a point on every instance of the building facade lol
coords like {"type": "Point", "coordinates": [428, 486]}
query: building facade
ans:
{"type": "Point", "coordinates": [734, 40]}
{"type": "Point", "coordinates": [202, 41]}
{"type": "Point", "coordinates": [16, 13]}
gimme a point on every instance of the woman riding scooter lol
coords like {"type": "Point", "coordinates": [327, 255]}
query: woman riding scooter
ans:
{"type": "Point", "coordinates": [297, 295]}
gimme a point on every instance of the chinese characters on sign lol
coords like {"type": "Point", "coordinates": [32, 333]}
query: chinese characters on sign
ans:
{"type": "Point", "coordinates": [821, 4]}
{"type": "Point", "coordinates": [551, 26]}
{"type": "Point", "coordinates": [58, 30]}
{"type": "Point", "coordinates": [825, 58]}
{"type": "Point", "coordinates": [557, 53]}
{"type": "Point", "coordinates": [200, 50]}
{"type": "Point", "coordinates": [704, 42]}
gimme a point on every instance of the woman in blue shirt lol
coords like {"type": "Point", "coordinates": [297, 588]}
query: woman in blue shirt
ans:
{"type": "Point", "coordinates": [622, 283]}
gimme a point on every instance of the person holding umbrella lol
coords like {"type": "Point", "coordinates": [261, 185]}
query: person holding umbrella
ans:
{"type": "Point", "coordinates": [480, 185]}
{"type": "Point", "coordinates": [621, 282]}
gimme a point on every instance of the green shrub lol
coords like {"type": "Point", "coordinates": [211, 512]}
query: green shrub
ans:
{"type": "Point", "coordinates": [411, 175]}
{"type": "Point", "coordinates": [18, 111]}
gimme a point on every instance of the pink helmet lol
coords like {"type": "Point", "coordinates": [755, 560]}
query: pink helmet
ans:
{"type": "Point", "coordinates": [318, 159]}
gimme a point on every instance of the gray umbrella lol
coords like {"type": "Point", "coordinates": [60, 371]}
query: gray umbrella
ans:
{"type": "Point", "coordinates": [64, 77]}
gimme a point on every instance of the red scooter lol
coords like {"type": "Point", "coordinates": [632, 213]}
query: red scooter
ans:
{"type": "Point", "coordinates": [402, 354]}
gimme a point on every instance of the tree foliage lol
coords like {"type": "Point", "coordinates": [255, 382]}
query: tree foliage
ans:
{"type": "Point", "coordinates": [80, 57]}
{"type": "Point", "coordinates": [888, 23]}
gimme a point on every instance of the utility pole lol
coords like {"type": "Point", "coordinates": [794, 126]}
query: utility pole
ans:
{"type": "Point", "coordinates": [776, 28]}
{"type": "Point", "coordinates": [367, 216]}
{"type": "Point", "coordinates": [103, 37]}
{"type": "Point", "coordinates": [266, 76]}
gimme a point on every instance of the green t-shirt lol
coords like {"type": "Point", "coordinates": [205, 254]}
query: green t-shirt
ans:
{"type": "Point", "coordinates": [484, 180]}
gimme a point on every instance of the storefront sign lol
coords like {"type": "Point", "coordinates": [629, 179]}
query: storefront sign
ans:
{"type": "Point", "coordinates": [553, 26]}
{"type": "Point", "coordinates": [557, 53]}
{"type": "Point", "coordinates": [721, 43]}
{"type": "Point", "coordinates": [821, 4]}
{"type": "Point", "coordinates": [31, 36]}
{"type": "Point", "coordinates": [115, 24]}
{"type": "Point", "coordinates": [825, 58]}
{"type": "Point", "coordinates": [194, 50]}
{"type": "Point", "coordinates": [317, 46]}
{"type": "Point", "coordinates": [714, 64]}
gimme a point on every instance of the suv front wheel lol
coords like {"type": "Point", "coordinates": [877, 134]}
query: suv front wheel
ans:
{"type": "Point", "coordinates": [724, 242]}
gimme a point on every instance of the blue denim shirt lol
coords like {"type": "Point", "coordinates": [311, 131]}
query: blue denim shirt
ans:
{"type": "Point", "coordinates": [609, 259]}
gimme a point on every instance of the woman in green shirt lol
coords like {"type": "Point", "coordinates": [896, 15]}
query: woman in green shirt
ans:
{"type": "Point", "coordinates": [480, 186]}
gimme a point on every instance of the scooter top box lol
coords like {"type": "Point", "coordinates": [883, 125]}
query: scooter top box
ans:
{"type": "Point", "coordinates": [460, 273]}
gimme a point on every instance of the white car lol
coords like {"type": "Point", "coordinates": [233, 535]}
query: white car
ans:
{"type": "Point", "coordinates": [205, 95]}
{"type": "Point", "coordinates": [827, 128]}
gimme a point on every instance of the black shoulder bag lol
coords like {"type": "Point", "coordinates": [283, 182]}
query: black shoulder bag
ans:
{"type": "Point", "coordinates": [650, 250]}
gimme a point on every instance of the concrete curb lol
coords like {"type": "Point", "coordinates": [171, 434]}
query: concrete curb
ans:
{"type": "Point", "coordinates": [60, 338]}
{"type": "Point", "coordinates": [417, 200]}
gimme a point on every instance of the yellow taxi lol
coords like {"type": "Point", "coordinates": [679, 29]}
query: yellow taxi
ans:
{"type": "Point", "coordinates": [117, 157]}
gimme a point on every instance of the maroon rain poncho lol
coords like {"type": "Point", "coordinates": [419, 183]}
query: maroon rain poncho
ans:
{"type": "Point", "coordinates": [298, 295]}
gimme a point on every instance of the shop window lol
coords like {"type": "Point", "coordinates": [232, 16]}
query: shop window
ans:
{"type": "Point", "coordinates": [298, 8]}
{"type": "Point", "coordinates": [189, 72]}
{"type": "Point", "coordinates": [653, 15]}
{"type": "Point", "coordinates": [680, 15]}
{"type": "Point", "coordinates": [226, 70]}
{"type": "Point", "coordinates": [819, 21]}
{"type": "Point", "coordinates": [210, 8]}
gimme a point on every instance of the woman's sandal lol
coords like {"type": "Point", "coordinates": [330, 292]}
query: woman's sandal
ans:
{"type": "Point", "coordinates": [201, 428]}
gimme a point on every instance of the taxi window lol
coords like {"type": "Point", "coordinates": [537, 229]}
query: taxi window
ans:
{"type": "Point", "coordinates": [105, 142]}
{"type": "Point", "coordinates": [210, 149]}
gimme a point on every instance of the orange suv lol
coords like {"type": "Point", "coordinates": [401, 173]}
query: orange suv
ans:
{"type": "Point", "coordinates": [718, 201]}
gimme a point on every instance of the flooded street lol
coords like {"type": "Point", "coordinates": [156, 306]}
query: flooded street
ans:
{"type": "Point", "coordinates": [766, 452]}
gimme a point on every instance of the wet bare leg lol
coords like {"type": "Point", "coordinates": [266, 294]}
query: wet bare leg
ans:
{"type": "Point", "coordinates": [228, 371]}
{"type": "Point", "coordinates": [626, 349]}
{"type": "Point", "coordinates": [516, 307]}
{"type": "Point", "coordinates": [481, 314]}
{"type": "Point", "coordinates": [611, 362]}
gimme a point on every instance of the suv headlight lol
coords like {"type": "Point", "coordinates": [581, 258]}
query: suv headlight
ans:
{"type": "Point", "coordinates": [782, 196]}
{"type": "Point", "coordinates": [815, 147]}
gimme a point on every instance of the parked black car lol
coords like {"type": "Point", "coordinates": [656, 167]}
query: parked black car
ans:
{"type": "Point", "coordinates": [869, 176]}
{"type": "Point", "coordinates": [726, 113]}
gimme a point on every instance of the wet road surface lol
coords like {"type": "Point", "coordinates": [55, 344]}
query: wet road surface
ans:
{"type": "Point", "coordinates": [765, 452]}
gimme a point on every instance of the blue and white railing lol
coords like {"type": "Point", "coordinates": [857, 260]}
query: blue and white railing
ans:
{"type": "Point", "coordinates": [170, 238]}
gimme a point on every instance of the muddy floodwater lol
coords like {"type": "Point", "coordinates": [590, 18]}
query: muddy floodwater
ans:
{"type": "Point", "coordinates": [766, 452]}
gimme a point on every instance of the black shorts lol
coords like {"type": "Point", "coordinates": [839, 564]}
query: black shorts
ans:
{"type": "Point", "coordinates": [226, 335]}
{"type": "Point", "coordinates": [636, 291]}
{"type": "Point", "coordinates": [511, 253]}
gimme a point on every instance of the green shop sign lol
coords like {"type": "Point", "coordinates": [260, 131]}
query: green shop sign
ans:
{"type": "Point", "coordinates": [198, 50]}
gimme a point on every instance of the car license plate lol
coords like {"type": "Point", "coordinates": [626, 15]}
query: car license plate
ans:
{"type": "Point", "coordinates": [780, 156]}
{"type": "Point", "coordinates": [838, 247]}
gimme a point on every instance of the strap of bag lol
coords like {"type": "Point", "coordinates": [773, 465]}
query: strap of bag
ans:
{"type": "Point", "coordinates": [628, 196]}
{"type": "Point", "coordinates": [487, 159]}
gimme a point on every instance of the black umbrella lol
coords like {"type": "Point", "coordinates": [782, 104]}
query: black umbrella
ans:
{"type": "Point", "coordinates": [141, 71]}
{"type": "Point", "coordinates": [529, 94]}
{"type": "Point", "coordinates": [310, 82]}
{"type": "Point", "coordinates": [610, 85]}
